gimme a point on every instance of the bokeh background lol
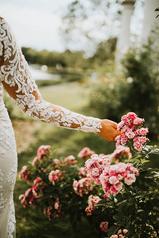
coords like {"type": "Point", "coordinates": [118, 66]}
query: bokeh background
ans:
{"type": "Point", "coordinates": [96, 57]}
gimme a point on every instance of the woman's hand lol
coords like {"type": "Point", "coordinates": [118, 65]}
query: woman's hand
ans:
{"type": "Point", "coordinates": [109, 130]}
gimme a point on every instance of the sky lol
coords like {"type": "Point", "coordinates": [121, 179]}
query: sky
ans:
{"type": "Point", "coordinates": [36, 23]}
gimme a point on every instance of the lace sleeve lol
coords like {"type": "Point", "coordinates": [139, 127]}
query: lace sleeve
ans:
{"type": "Point", "coordinates": [16, 78]}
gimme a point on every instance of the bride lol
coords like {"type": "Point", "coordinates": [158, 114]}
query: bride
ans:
{"type": "Point", "coordinates": [16, 79]}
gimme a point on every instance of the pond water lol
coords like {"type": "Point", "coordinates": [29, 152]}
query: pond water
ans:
{"type": "Point", "coordinates": [38, 73]}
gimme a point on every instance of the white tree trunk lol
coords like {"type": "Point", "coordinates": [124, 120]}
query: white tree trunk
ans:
{"type": "Point", "coordinates": [123, 43]}
{"type": "Point", "coordinates": [149, 18]}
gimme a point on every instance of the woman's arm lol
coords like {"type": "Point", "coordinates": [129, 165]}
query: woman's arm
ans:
{"type": "Point", "coordinates": [16, 78]}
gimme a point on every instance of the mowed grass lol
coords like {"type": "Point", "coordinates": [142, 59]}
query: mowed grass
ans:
{"type": "Point", "coordinates": [71, 95]}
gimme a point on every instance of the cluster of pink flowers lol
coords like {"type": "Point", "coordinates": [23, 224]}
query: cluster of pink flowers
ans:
{"type": "Point", "coordinates": [111, 177]}
{"type": "Point", "coordinates": [70, 160]}
{"type": "Point", "coordinates": [55, 176]}
{"type": "Point", "coordinates": [32, 194]}
{"type": "Point", "coordinates": [132, 130]}
{"type": "Point", "coordinates": [24, 174]}
{"type": "Point", "coordinates": [92, 202]}
{"type": "Point", "coordinates": [54, 210]}
{"type": "Point", "coordinates": [104, 226]}
{"type": "Point", "coordinates": [83, 186]}
{"type": "Point", "coordinates": [56, 163]}
{"type": "Point", "coordinates": [82, 172]}
{"type": "Point", "coordinates": [122, 233]}
{"type": "Point", "coordinates": [95, 165]}
{"type": "Point", "coordinates": [85, 153]}
{"type": "Point", "coordinates": [27, 198]}
{"type": "Point", "coordinates": [42, 151]}
{"type": "Point", "coordinates": [121, 152]}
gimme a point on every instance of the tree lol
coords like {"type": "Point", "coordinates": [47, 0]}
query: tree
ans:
{"type": "Point", "coordinates": [89, 22]}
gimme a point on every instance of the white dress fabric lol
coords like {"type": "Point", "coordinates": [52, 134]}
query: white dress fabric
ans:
{"type": "Point", "coordinates": [16, 79]}
{"type": "Point", "coordinates": [8, 169]}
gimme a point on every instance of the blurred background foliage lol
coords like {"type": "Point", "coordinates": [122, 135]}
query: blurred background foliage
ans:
{"type": "Point", "coordinates": [136, 91]}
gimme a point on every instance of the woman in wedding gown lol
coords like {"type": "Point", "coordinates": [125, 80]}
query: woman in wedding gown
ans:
{"type": "Point", "coordinates": [16, 79]}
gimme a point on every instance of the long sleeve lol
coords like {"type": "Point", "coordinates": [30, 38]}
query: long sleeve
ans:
{"type": "Point", "coordinates": [15, 77]}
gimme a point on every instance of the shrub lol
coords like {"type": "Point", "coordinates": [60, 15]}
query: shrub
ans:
{"type": "Point", "coordinates": [117, 193]}
{"type": "Point", "coordinates": [105, 99]}
{"type": "Point", "coordinates": [143, 90]}
{"type": "Point", "coordinates": [137, 92]}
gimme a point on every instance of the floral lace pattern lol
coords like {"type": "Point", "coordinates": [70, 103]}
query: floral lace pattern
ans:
{"type": "Point", "coordinates": [12, 221]}
{"type": "Point", "coordinates": [15, 73]}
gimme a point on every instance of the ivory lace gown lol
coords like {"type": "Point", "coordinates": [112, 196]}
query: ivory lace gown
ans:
{"type": "Point", "coordinates": [15, 78]}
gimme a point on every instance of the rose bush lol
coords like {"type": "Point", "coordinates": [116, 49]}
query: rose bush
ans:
{"type": "Point", "coordinates": [117, 193]}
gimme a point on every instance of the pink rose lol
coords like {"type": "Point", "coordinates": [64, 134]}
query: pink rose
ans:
{"type": "Point", "coordinates": [131, 115]}
{"type": "Point", "coordinates": [82, 172]}
{"type": "Point", "coordinates": [57, 162]}
{"type": "Point", "coordinates": [35, 161]}
{"type": "Point", "coordinates": [130, 131]}
{"type": "Point", "coordinates": [54, 176]}
{"type": "Point", "coordinates": [22, 200]}
{"type": "Point", "coordinates": [142, 131]}
{"type": "Point", "coordinates": [130, 134]}
{"type": "Point", "coordinates": [113, 180]}
{"type": "Point", "coordinates": [94, 167]}
{"type": "Point", "coordinates": [118, 186]}
{"type": "Point", "coordinates": [85, 152]}
{"type": "Point", "coordinates": [121, 151]}
{"type": "Point", "coordinates": [104, 226]}
{"type": "Point", "coordinates": [107, 159]}
{"type": "Point", "coordinates": [28, 198]}
{"type": "Point", "coordinates": [24, 174]}
{"type": "Point", "coordinates": [88, 211]}
{"type": "Point", "coordinates": [37, 180]}
{"type": "Point", "coordinates": [138, 121]}
{"type": "Point", "coordinates": [113, 176]}
{"type": "Point", "coordinates": [42, 151]}
{"type": "Point", "coordinates": [114, 236]}
{"type": "Point", "coordinates": [138, 146]}
{"type": "Point", "coordinates": [123, 139]}
{"type": "Point", "coordinates": [57, 206]}
{"type": "Point", "coordinates": [129, 179]}
{"type": "Point", "coordinates": [139, 142]}
{"type": "Point", "coordinates": [70, 160]}
{"type": "Point", "coordinates": [48, 212]}
{"type": "Point", "coordinates": [92, 202]}
{"type": "Point", "coordinates": [83, 186]}
{"type": "Point", "coordinates": [120, 125]}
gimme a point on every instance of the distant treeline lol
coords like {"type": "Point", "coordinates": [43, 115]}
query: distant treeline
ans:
{"type": "Point", "coordinates": [74, 59]}
{"type": "Point", "coordinates": [52, 58]}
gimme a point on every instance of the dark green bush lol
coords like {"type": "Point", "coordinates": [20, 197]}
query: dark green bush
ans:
{"type": "Point", "coordinates": [138, 92]}
{"type": "Point", "coordinates": [142, 94]}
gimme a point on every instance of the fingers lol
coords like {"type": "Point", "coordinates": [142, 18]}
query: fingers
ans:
{"type": "Point", "coordinates": [109, 130]}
